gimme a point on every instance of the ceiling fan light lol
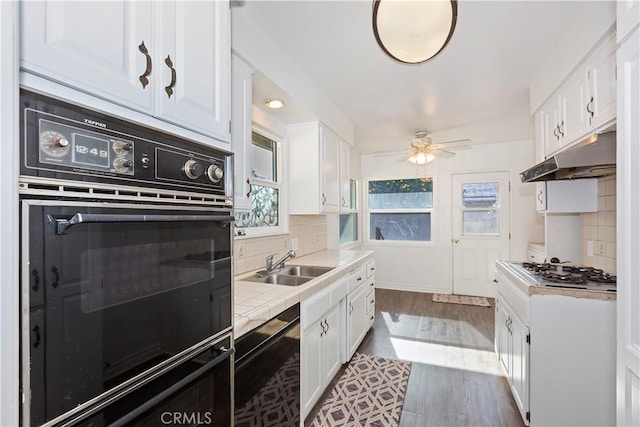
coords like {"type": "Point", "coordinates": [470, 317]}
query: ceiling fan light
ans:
{"type": "Point", "coordinates": [429, 157]}
{"type": "Point", "coordinates": [413, 31]}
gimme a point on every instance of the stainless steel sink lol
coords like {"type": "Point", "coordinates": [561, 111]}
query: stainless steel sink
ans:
{"type": "Point", "coordinates": [280, 279]}
{"type": "Point", "coordinates": [305, 270]}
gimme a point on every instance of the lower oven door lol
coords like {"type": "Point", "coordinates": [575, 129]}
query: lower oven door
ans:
{"type": "Point", "coordinates": [195, 392]}
{"type": "Point", "coordinates": [112, 292]}
{"type": "Point", "coordinates": [267, 373]}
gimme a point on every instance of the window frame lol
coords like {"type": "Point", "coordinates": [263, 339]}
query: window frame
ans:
{"type": "Point", "coordinates": [283, 212]}
{"type": "Point", "coordinates": [366, 231]}
{"type": "Point", "coordinates": [355, 210]}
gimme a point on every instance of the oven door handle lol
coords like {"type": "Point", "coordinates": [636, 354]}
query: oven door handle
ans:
{"type": "Point", "coordinates": [62, 225]}
{"type": "Point", "coordinates": [127, 418]}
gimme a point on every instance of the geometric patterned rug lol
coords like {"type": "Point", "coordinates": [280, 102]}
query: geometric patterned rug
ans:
{"type": "Point", "coordinates": [267, 408]}
{"type": "Point", "coordinates": [461, 299]}
{"type": "Point", "coordinates": [370, 392]}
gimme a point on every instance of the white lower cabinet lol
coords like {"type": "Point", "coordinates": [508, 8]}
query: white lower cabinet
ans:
{"type": "Point", "coordinates": [321, 342]}
{"type": "Point", "coordinates": [357, 322]}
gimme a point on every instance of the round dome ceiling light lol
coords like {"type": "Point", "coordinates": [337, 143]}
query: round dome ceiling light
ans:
{"type": "Point", "coordinates": [274, 103]}
{"type": "Point", "coordinates": [414, 31]}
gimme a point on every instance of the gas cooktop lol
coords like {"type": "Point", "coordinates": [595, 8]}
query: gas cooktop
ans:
{"type": "Point", "coordinates": [565, 276]}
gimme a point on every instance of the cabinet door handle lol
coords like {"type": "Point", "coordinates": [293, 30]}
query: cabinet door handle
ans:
{"type": "Point", "coordinates": [36, 280]}
{"type": "Point", "coordinates": [36, 330]}
{"type": "Point", "coordinates": [326, 323]}
{"type": "Point", "coordinates": [147, 71]}
{"type": "Point", "coordinates": [560, 129]}
{"type": "Point", "coordinates": [555, 132]}
{"type": "Point", "coordinates": [589, 104]}
{"type": "Point", "coordinates": [56, 274]}
{"type": "Point", "coordinates": [344, 203]}
{"type": "Point", "coordinates": [540, 196]}
{"type": "Point", "coordinates": [169, 89]}
{"type": "Point", "coordinates": [373, 301]}
{"type": "Point", "coordinates": [250, 188]}
{"type": "Point", "coordinates": [350, 308]}
{"type": "Point", "coordinates": [323, 331]}
{"type": "Point", "coordinates": [324, 199]}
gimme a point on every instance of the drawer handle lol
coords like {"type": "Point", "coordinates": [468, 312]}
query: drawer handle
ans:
{"type": "Point", "coordinates": [169, 89]}
{"type": "Point", "coordinates": [371, 318]}
{"type": "Point", "coordinates": [372, 268]}
{"type": "Point", "coordinates": [358, 279]}
{"type": "Point", "coordinates": [495, 280]}
{"type": "Point", "coordinates": [143, 77]}
{"type": "Point", "coordinates": [373, 301]}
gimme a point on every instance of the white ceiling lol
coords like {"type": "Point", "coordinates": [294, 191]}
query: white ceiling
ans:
{"type": "Point", "coordinates": [477, 88]}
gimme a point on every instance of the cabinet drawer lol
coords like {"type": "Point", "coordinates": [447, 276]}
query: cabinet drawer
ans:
{"type": "Point", "coordinates": [371, 268]}
{"type": "Point", "coordinates": [357, 278]}
{"type": "Point", "coordinates": [314, 308]}
{"type": "Point", "coordinates": [371, 302]}
{"type": "Point", "coordinates": [339, 290]}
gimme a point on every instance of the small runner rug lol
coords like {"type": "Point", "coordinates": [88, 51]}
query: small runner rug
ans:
{"type": "Point", "coordinates": [461, 299]}
{"type": "Point", "coordinates": [370, 392]}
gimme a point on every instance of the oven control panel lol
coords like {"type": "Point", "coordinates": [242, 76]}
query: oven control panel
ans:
{"type": "Point", "coordinates": [63, 141]}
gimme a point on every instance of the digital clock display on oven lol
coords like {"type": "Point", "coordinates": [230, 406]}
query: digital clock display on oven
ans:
{"type": "Point", "coordinates": [91, 151]}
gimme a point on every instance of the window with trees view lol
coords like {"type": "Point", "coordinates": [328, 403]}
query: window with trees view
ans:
{"type": "Point", "coordinates": [400, 209]}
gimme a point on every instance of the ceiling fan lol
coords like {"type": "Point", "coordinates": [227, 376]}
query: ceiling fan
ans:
{"type": "Point", "coordinates": [424, 151]}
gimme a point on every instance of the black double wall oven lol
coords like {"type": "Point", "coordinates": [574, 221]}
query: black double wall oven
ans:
{"type": "Point", "coordinates": [126, 277]}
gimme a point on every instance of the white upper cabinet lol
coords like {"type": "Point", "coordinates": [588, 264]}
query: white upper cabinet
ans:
{"type": "Point", "coordinates": [104, 48]}
{"type": "Point", "coordinates": [345, 177]}
{"type": "Point", "coordinates": [241, 124]}
{"type": "Point", "coordinates": [193, 57]}
{"type": "Point", "coordinates": [583, 104]}
{"type": "Point", "coordinates": [314, 169]}
{"type": "Point", "coordinates": [167, 59]}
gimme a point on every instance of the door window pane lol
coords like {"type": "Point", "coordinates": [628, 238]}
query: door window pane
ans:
{"type": "Point", "coordinates": [400, 226]}
{"type": "Point", "coordinates": [480, 222]}
{"type": "Point", "coordinates": [480, 195]}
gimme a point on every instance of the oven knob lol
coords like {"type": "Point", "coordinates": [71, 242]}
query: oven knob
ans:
{"type": "Point", "coordinates": [215, 173]}
{"type": "Point", "coordinates": [122, 165]}
{"type": "Point", "coordinates": [122, 147]}
{"type": "Point", "coordinates": [193, 169]}
{"type": "Point", "coordinates": [63, 142]}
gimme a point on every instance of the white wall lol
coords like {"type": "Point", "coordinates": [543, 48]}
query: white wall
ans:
{"type": "Point", "coordinates": [9, 215]}
{"type": "Point", "coordinates": [428, 269]}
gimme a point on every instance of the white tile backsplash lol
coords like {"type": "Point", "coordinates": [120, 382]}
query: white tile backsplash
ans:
{"type": "Point", "coordinates": [310, 230]}
{"type": "Point", "coordinates": [600, 228]}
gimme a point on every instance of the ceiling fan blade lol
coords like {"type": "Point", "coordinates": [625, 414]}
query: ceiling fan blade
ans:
{"type": "Point", "coordinates": [442, 154]}
{"type": "Point", "coordinates": [405, 157]}
{"type": "Point", "coordinates": [460, 143]}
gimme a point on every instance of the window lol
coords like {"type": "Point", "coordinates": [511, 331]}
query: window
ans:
{"type": "Point", "coordinates": [480, 209]}
{"type": "Point", "coordinates": [349, 221]}
{"type": "Point", "coordinates": [400, 209]}
{"type": "Point", "coordinates": [265, 188]}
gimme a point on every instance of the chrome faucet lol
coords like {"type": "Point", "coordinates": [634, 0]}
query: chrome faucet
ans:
{"type": "Point", "coordinates": [270, 265]}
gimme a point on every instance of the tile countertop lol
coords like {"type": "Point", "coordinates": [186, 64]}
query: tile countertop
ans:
{"type": "Point", "coordinates": [255, 303]}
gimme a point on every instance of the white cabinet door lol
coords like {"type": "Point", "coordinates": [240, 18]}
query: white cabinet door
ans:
{"type": "Point", "coordinates": [193, 55]}
{"type": "Point", "coordinates": [330, 164]}
{"type": "Point", "coordinates": [241, 86]}
{"type": "Point", "coordinates": [519, 372]}
{"type": "Point", "coordinates": [311, 366]}
{"type": "Point", "coordinates": [628, 17]}
{"type": "Point", "coordinates": [554, 119]}
{"type": "Point", "coordinates": [628, 228]}
{"type": "Point", "coordinates": [602, 80]}
{"type": "Point", "coordinates": [541, 196]}
{"type": "Point", "coordinates": [504, 338]}
{"type": "Point", "coordinates": [345, 178]}
{"type": "Point", "coordinates": [575, 94]}
{"type": "Point", "coordinates": [332, 359]}
{"type": "Point", "coordinates": [357, 324]}
{"type": "Point", "coordinates": [103, 48]}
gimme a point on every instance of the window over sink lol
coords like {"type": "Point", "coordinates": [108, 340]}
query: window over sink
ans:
{"type": "Point", "coordinates": [264, 216]}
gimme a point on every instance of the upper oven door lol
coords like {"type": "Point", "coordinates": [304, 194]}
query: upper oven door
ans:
{"type": "Point", "coordinates": [112, 291]}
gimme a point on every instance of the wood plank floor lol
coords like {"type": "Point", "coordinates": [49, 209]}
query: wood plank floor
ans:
{"type": "Point", "coordinates": [455, 376]}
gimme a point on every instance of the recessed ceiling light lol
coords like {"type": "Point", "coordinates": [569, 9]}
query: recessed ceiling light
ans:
{"type": "Point", "coordinates": [274, 103]}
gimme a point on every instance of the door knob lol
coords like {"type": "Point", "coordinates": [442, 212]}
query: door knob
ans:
{"type": "Point", "coordinates": [456, 241]}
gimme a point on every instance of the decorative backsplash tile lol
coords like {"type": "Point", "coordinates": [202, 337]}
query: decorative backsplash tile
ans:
{"type": "Point", "coordinates": [310, 230]}
{"type": "Point", "coordinates": [600, 228]}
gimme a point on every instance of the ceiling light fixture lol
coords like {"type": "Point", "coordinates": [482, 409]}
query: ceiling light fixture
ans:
{"type": "Point", "coordinates": [274, 103]}
{"type": "Point", "coordinates": [421, 158]}
{"type": "Point", "coordinates": [414, 31]}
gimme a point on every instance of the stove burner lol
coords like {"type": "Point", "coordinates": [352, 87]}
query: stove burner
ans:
{"type": "Point", "coordinates": [563, 278]}
{"type": "Point", "coordinates": [569, 273]}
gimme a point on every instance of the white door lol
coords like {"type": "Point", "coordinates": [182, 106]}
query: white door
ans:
{"type": "Point", "coordinates": [102, 48]}
{"type": "Point", "coordinates": [628, 232]}
{"type": "Point", "coordinates": [194, 66]}
{"type": "Point", "coordinates": [480, 230]}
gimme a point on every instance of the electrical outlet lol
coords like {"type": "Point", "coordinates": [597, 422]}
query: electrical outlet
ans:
{"type": "Point", "coordinates": [285, 243]}
{"type": "Point", "coordinates": [601, 248]}
{"type": "Point", "coordinates": [590, 248]}
{"type": "Point", "coordinates": [241, 251]}
{"type": "Point", "coordinates": [294, 244]}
